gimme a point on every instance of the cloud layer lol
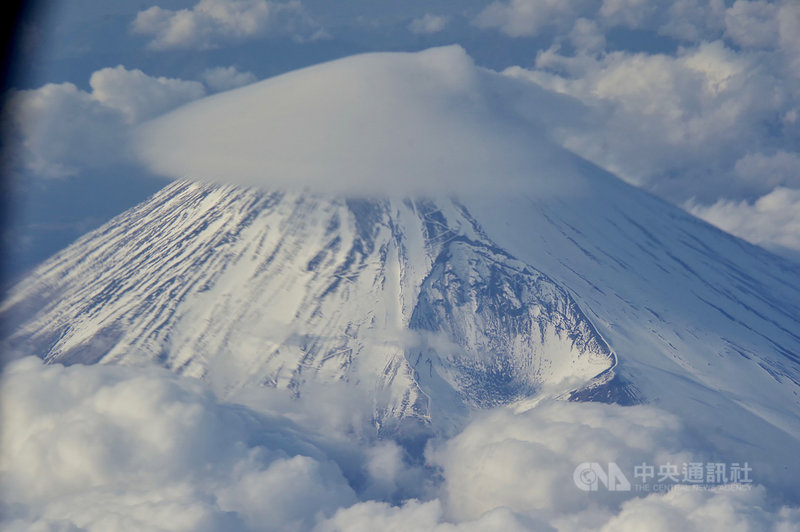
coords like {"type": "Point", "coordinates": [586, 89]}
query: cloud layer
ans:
{"type": "Point", "coordinates": [117, 448]}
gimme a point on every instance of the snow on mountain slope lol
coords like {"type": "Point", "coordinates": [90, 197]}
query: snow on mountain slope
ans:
{"type": "Point", "coordinates": [407, 298]}
{"type": "Point", "coordinates": [704, 324]}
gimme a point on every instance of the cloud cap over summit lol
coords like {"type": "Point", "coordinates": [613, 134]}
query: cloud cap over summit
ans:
{"type": "Point", "coordinates": [383, 123]}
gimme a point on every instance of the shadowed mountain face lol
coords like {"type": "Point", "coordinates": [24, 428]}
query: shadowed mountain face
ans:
{"type": "Point", "coordinates": [510, 327]}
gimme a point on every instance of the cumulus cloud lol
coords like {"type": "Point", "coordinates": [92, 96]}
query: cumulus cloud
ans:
{"type": "Point", "coordinates": [103, 447]}
{"type": "Point", "coordinates": [226, 78]}
{"type": "Point", "coordinates": [417, 516]}
{"type": "Point", "coordinates": [522, 460]}
{"type": "Point", "coordinates": [767, 171]}
{"type": "Point", "coordinates": [211, 23]}
{"type": "Point", "coordinates": [771, 221]}
{"type": "Point", "coordinates": [766, 25]}
{"type": "Point", "coordinates": [753, 24]}
{"type": "Point", "coordinates": [139, 96]}
{"type": "Point", "coordinates": [427, 24]}
{"type": "Point", "coordinates": [630, 13]}
{"type": "Point", "coordinates": [703, 510]}
{"type": "Point", "coordinates": [523, 18]}
{"type": "Point", "coordinates": [587, 36]}
{"type": "Point", "coordinates": [108, 447]}
{"type": "Point", "coordinates": [664, 120]}
{"type": "Point", "coordinates": [747, 24]}
{"type": "Point", "coordinates": [525, 460]}
{"type": "Point", "coordinates": [686, 20]}
{"type": "Point", "coordinates": [57, 129]}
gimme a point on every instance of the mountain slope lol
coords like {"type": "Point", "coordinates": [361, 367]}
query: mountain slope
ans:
{"type": "Point", "coordinates": [242, 287]}
{"type": "Point", "coordinates": [704, 324]}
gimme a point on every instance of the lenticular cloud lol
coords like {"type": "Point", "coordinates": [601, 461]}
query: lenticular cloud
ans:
{"type": "Point", "coordinates": [115, 448]}
{"type": "Point", "coordinates": [384, 123]}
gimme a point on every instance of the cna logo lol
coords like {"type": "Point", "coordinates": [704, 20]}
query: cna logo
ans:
{"type": "Point", "coordinates": [589, 475]}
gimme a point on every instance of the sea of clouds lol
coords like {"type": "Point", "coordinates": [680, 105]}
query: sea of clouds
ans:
{"type": "Point", "coordinates": [106, 447]}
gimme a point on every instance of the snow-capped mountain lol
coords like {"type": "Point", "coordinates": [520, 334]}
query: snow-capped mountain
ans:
{"type": "Point", "coordinates": [574, 286]}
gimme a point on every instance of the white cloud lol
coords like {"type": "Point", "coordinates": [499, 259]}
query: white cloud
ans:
{"type": "Point", "coordinates": [105, 447]}
{"type": "Point", "coordinates": [139, 96]}
{"type": "Point", "coordinates": [226, 78]}
{"type": "Point", "coordinates": [587, 36]}
{"type": "Point", "coordinates": [630, 13]}
{"type": "Point", "coordinates": [416, 516]}
{"type": "Point", "coordinates": [766, 172]}
{"type": "Point", "coordinates": [788, 21]}
{"type": "Point", "coordinates": [525, 460]}
{"type": "Point", "coordinates": [766, 25]}
{"type": "Point", "coordinates": [523, 18]}
{"type": "Point", "coordinates": [752, 24]}
{"type": "Point", "coordinates": [692, 20]}
{"type": "Point", "coordinates": [687, 20]}
{"type": "Point", "coordinates": [427, 24]}
{"type": "Point", "coordinates": [771, 221]}
{"type": "Point", "coordinates": [211, 23]}
{"type": "Point", "coordinates": [673, 123]}
{"type": "Point", "coordinates": [703, 510]}
{"type": "Point", "coordinates": [57, 129]}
